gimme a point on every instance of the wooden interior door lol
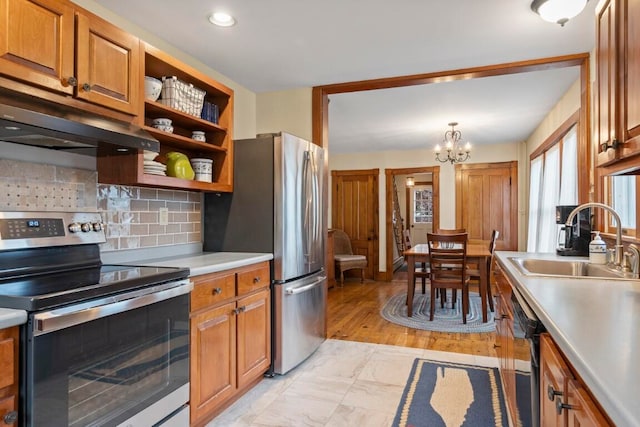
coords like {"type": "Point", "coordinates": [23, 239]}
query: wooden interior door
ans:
{"type": "Point", "coordinates": [487, 199]}
{"type": "Point", "coordinates": [354, 209]}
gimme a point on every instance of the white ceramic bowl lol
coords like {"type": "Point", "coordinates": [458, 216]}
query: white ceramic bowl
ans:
{"type": "Point", "coordinates": [164, 128]}
{"type": "Point", "coordinates": [152, 88]}
{"type": "Point", "coordinates": [162, 122]}
{"type": "Point", "coordinates": [149, 155]}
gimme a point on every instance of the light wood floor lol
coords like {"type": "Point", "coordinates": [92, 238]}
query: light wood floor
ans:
{"type": "Point", "coordinates": [354, 315]}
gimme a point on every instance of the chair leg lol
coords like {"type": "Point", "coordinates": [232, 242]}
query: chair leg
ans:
{"type": "Point", "coordinates": [443, 297]}
{"type": "Point", "coordinates": [341, 278]}
{"type": "Point", "coordinates": [362, 275]}
{"type": "Point", "coordinates": [424, 285]}
{"type": "Point", "coordinates": [465, 305]}
{"type": "Point", "coordinates": [432, 303]}
{"type": "Point", "coordinates": [454, 298]}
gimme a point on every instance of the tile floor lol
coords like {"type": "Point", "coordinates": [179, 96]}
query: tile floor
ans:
{"type": "Point", "coordinates": [343, 383]}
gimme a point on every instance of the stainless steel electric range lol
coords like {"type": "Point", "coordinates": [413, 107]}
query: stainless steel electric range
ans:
{"type": "Point", "coordinates": [104, 345]}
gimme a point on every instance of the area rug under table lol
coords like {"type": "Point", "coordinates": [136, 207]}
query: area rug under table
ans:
{"type": "Point", "coordinates": [444, 394]}
{"type": "Point", "coordinates": [444, 319]}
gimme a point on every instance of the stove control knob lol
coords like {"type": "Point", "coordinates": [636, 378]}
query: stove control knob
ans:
{"type": "Point", "coordinates": [74, 227]}
{"type": "Point", "coordinates": [97, 226]}
{"type": "Point", "coordinates": [86, 227]}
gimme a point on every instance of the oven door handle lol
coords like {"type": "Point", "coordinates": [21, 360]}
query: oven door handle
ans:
{"type": "Point", "coordinates": [60, 318]}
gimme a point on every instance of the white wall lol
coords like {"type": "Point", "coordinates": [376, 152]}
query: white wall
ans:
{"type": "Point", "coordinates": [421, 158]}
{"type": "Point", "coordinates": [244, 118]}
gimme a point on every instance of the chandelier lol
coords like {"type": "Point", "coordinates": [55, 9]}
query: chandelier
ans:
{"type": "Point", "coordinates": [456, 153]}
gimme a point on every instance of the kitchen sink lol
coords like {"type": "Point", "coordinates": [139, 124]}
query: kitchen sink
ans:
{"type": "Point", "coordinates": [568, 268]}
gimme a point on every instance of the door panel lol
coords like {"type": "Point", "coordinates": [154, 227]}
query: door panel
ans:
{"type": "Point", "coordinates": [354, 209]}
{"type": "Point", "coordinates": [486, 199]}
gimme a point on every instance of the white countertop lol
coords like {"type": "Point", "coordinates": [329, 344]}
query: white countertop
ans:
{"type": "Point", "coordinates": [208, 262]}
{"type": "Point", "coordinates": [596, 324]}
{"type": "Point", "coordinates": [10, 317]}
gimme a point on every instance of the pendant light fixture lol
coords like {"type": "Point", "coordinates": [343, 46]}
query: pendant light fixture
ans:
{"type": "Point", "coordinates": [558, 11]}
{"type": "Point", "coordinates": [455, 151]}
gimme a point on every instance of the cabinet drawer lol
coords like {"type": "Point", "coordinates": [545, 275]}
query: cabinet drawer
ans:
{"type": "Point", "coordinates": [253, 278]}
{"type": "Point", "coordinates": [210, 289]}
{"type": "Point", "coordinates": [7, 362]}
{"type": "Point", "coordinates": [7, 405]}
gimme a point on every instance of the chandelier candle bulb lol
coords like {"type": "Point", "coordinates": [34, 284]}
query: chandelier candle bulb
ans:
{"type": "Point", "coordinates": [438, 149]}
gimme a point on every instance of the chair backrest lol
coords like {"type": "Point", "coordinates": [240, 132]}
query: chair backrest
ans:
{"type": "Point", "coordinates": [494, 238]}
{"type": "Point", "coordinates": [448, 256]}
{"type": "Point", "coordinates": [451, 231]}
{"type": "Point", "coordinates": [406, 234]}
{"type": "Point", "coordinates": [341, 243]}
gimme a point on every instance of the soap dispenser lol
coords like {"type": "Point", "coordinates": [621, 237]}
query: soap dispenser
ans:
{"type": "Point", "coordinates": [597, 250]}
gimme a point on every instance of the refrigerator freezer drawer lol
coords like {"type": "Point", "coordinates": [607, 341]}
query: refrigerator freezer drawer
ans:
{"type": "Point", "coordinates": [299, 320]}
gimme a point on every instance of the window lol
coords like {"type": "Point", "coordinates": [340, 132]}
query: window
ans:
{"type": "Point", "coordinates": [423, 205]}
{"type": "Point", "coordinates": [620, 194]}
{"type": "Point", "coordinates": [553, 181]}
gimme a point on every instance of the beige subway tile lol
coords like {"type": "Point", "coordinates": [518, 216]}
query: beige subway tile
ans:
{"type": "Point", "coordinates": [173, 228]}
{"type": "Point", "coordinates": [148, 241]}
{"type": "Point", "coordinates": [148, 193]}
{"type": "Point", "coordinates": [139, 229]}
{"type": "Point", "coordinates": [195, 196]}
{"type": "Point", "coordinates": [174, 206]}
{"type": "Point", "coordinates": [181, 196]}
{"type": "Point", "coordinates": [197, 227]}
{"type": "Point", "coordinates": [149, 217]}
{"type": "Point", "coordinates": [194, 237]}
{"type": "Point", "coordinates": [130, 242]}
{"type": "Point", "coordinates": [157, 229]}
{"type": "Point", "coordinates": [140, 205]}
{"type": "Point", "coordinates": [186, 227]}
{"type": "Point", "coordinates": [178, 217]}
{"type": "Point", "coordinates": [166, 239]}
{"type": "Point", "coordinates": [165, 195]}
{"type": "Point", "coordinates": [195, 217]}
{"type": "Point", "coordinates": [181, 238]}
{"type": "Point", "coordinates": [156, 205]}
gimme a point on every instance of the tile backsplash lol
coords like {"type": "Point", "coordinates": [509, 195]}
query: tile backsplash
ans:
{"type": "Point", "coordinates": [131, 214]}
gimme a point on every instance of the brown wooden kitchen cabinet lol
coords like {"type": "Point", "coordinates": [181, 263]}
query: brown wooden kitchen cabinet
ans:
{"type": "Point", "coordinates": [128, 168]}
{"type": "Point", "coordinates": [617, 91]}
{"type": "Point", "coordinates": [9, 375]}
{"type": "Point", "coordinates": [230, 337]}
{"type": "Point", "coordinates": [564, 401]}
{"type": "Point", "coordinates": [505, 339]}
{"type": "Point", "coordinates": [61, 48]}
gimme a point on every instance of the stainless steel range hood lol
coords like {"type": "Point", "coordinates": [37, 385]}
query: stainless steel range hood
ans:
{"type": "Point", "coordinates": [44, 124]}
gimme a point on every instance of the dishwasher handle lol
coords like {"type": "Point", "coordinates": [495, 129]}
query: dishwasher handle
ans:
{"type": "Point", "coordinates": [302, 289]}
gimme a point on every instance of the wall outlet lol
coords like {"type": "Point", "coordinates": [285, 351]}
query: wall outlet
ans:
{"type": "Point", "coordinates": [164, 216]}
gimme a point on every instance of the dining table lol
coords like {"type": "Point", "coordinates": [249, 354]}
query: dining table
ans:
{"type": "Point", "coordinates": [477, 253]}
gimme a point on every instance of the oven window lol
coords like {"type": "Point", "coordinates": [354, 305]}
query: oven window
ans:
{"type": "Point", "coordinates": [107, 370]}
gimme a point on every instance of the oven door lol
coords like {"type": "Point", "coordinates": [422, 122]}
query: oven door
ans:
{"type": "Point", "coordinates": [110, 361]}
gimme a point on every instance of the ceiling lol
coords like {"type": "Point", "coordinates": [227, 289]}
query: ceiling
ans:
{"type": "Point", "coordinates": [283, 44]}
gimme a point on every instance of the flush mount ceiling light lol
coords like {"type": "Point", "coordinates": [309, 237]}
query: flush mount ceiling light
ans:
{"type": "Point", "coordinates": [410, 181]}
{"type": "Point", "coordinates": [558, 11]}
{"type": "Point", "coordinates": [222, 19]}
{"type": "Point", "coordinates": [456, 152]}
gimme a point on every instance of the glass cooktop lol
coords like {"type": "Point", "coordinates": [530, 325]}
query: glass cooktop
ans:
{"type": "Point", "coordinates": [43, 291]}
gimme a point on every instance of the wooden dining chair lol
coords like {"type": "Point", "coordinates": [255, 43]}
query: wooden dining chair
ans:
{"type": "Point", "coordinates": [421, 269]}
{"type": "Point", "coordinates": [451, 230]}
{"type": "Point", "coordinates": [474, 272]}
{"type": "Point", "coordinates": [448, 268]}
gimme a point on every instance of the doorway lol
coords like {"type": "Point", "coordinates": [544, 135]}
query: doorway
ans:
{"type": "Point", "coordinates": [390, 176]}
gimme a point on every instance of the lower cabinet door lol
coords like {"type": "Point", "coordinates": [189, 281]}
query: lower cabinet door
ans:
{"type": "Point", "coordinates": [582, 411]}
{"type": "Point", "coordinates": [254, 336]}
{"type": "Point", "coordinates": [213, 359]}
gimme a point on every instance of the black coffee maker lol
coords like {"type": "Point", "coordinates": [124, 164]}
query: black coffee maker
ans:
{"type": "Point", "coordinates": [574, 240]}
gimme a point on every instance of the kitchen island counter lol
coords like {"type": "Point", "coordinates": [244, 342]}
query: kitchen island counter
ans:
{"type": "Point", "coordinates": [596, 324]}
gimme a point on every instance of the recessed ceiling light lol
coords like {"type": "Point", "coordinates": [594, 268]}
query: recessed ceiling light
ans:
{"type": "Point", "coordinates": [222, 19]}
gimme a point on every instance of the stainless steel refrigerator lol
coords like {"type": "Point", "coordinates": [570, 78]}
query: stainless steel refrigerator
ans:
{"type": "Point", "coordinates": [277, 207]}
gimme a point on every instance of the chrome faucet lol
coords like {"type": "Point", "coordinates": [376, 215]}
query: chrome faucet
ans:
{"type": "Point", "coordinates": [619, 250]}
{"type": "Point", "coordinates": [633, 257]}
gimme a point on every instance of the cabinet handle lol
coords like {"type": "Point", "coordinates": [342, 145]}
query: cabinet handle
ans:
{"type": "Point", "coordinates": [217, 291]}
{"type": "Point", "coordinates": [70, 81]}
{"type": "Point", "coordinates": [256, 279]}
{"type": "Point", "coordinates": [496, 345]}
{"type": "Point", "coordinates": [86, 87]}
{"type": "Point", "coordinates": [10, 417]}
{"type": "Point", "coordinates": [551, 393]}
{"type": "Point", "coordinates": [239, 310]}
{"type": "Point", "coordinates": [560, 406]}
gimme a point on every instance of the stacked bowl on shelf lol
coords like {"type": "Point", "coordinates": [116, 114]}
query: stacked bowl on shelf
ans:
{"type": "Point", "coordinates": [152, 167]}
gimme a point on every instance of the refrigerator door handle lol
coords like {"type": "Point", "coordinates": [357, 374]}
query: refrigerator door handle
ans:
{"type": "Point", "coordinates": [302, 289]}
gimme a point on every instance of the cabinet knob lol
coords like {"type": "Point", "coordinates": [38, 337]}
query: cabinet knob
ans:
{"type": "Point", "coordinates": [70, 81]}
{"type": "Point", "coordinates": [10, 417]}
{"type": "Point", "coordinates": [217, 291]}
{"type": "Point", "coordinates": [560, 406]}
{"type": "Point", "coordinates": [256, 279]}
{"type": "Point", "coordinates": [551, 393]}
{"type": "Point", "coordinates": [239, 310]}
{"type": "Point", "coordinates": [86, 87]}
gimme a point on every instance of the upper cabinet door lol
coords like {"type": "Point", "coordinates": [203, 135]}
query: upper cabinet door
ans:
{"type": "Point", "coordinates": [36, 42]}
{"type": "Point", "coordinates": [630, 75]}
{"type": "Point", "coordinates": [108, 65]}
